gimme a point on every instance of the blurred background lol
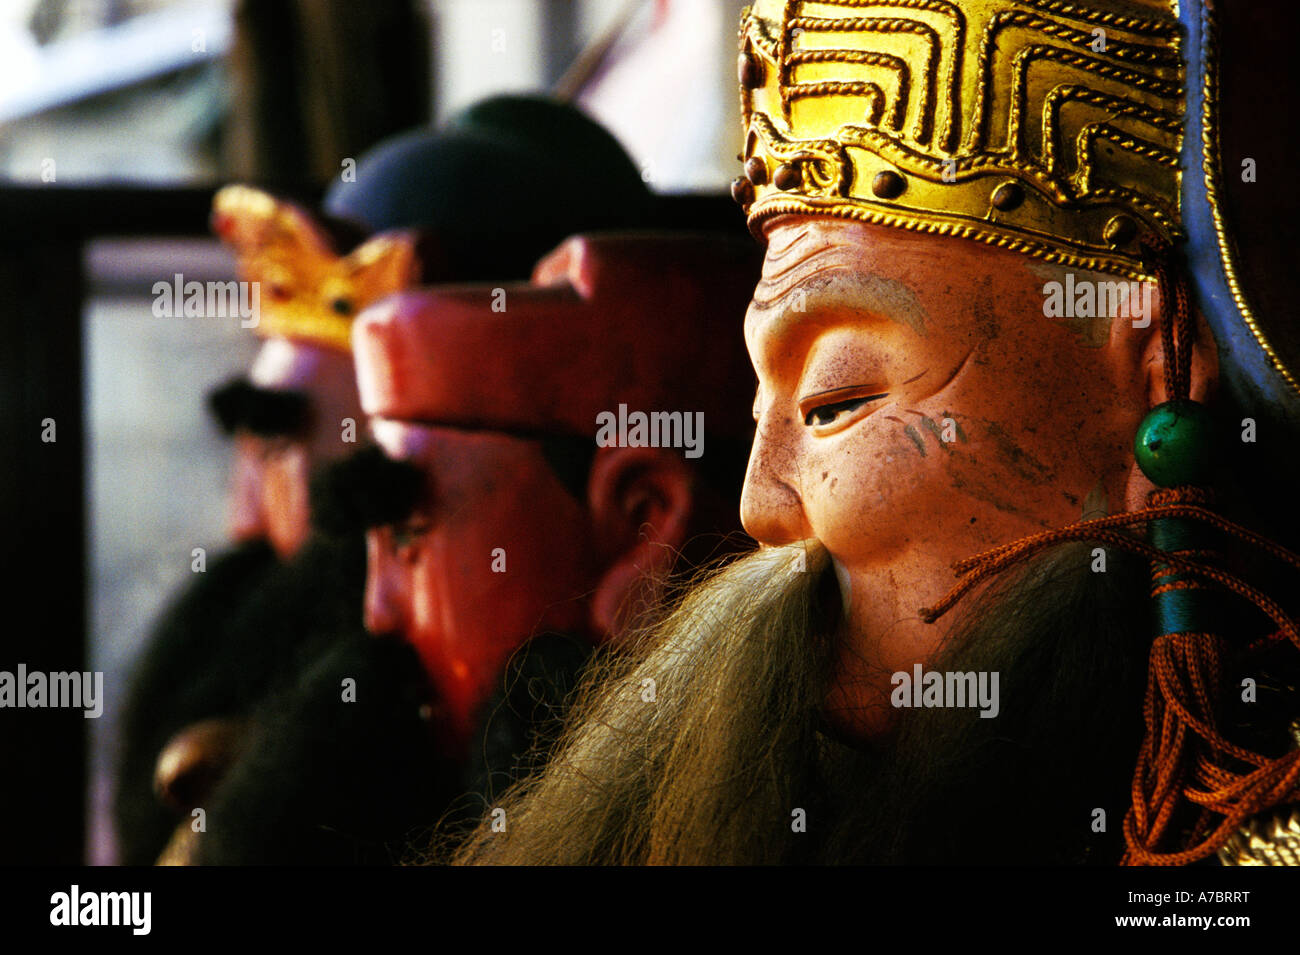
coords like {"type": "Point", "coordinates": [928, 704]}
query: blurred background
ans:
{"type": "Point", "coordinates": [118, 118]}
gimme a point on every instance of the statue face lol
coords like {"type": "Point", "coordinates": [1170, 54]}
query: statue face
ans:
{"type": "Point", "coordinates": [915, 407]}
{"type": "Point", "coordinates": [497, 551]}
{"type": "Point", "coordinates": [270, 488]}
{"type": "Point", "coordinates": [269, 493]}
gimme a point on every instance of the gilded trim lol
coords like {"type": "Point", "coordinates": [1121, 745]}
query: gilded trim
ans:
{"type": "Point", "coordinates": [913, 113]}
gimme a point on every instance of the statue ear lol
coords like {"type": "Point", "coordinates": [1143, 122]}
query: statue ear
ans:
{"type": "Point", "coordinates": [640, 504]}
{"type": "Point", "coordinates": [1204, 382]}
{"type": "Point", "coordinates": [1205, 361]}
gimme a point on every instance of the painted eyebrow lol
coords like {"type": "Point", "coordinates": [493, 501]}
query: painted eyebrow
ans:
{"type": "Point", "coordinates": [266, 412]}
{"type": "Point", "coordinates": [841, 390]}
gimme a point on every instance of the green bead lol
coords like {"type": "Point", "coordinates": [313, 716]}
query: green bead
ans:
{"type": "Point", "coordinates": [1174, 443]}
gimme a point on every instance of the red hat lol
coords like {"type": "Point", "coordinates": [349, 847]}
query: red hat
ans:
{"type": "Point", "coordinates": [648, 321]}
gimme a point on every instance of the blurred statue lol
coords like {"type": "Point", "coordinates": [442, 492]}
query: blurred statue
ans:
{"type": "Point", "coordinates": [1000, 330]}
{"type": "Point", "coordinates": [572, 442]}
{"type": "Point", "coordinates": [217, 714]}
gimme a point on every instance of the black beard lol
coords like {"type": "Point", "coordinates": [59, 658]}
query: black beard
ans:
{"type": "Point", "coordinates": [318, 780]}
{"type": "Point", "coordinates": [243, 629]}
{"type": "Point", "coordinates": [185, 673]}
{"type": "Point", "coordinates": [326, 782]}
{"type": "Point", "coordinates": [334, 773]}
{"type": "Point", "coordinates": [519, 724]}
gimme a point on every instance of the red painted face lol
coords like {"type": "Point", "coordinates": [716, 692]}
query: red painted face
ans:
{"type": "Point", "coordinates": [915, 407]}
{"type": "Point", "coordinates": [449, 376]}
{"type": "Point", "coordinates": [269, 494]}
{"type": "Point", "coordinates": [498, 551]}
{"type": "Point", "coordinates": [270, 485]}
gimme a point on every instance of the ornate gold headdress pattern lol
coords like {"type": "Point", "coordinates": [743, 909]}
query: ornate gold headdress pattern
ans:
{"type": "Point", "coordinates": [307, 291]}
{"type": "Point", "coordinates": [1043, 126]}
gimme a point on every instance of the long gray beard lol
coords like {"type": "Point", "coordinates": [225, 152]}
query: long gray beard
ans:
{"type": "Point", "coordinates": [704, 745]}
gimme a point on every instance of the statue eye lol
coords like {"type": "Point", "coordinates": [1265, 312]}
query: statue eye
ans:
{"type": "Point", "coordinates": [826, 414]}
{"type": "Point", "coordinates": [407, 535]}
{"type": "Point", "coordinates": [834, 414]}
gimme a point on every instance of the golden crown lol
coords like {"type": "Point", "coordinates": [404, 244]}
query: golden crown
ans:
{"type": "Point", "coordinates": [1044, 126]}
{"type": "Point", "coordinates": [307, 291]}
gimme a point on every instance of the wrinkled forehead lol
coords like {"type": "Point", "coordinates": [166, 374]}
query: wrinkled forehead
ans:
{"type": "Point", "coordinates": [823, 273]}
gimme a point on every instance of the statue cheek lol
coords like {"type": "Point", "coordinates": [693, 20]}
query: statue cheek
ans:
{"type": "Point", "coordinates": [868, 497]}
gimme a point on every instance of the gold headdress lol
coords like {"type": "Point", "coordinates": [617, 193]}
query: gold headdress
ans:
{"type": "Point", "coordinates": [1044, 126]}
{"type": "Point", "coordinates": [307, 291]}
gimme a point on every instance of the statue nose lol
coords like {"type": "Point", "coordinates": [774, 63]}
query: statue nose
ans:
{"type": "Point", "coordinates": [247, 513]}
{"type": "Point", "coordinates": [384, 601]}
{"type": "Point", "coordinates": [771, 510]}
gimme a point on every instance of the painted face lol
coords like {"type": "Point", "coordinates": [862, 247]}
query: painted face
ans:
{"type": "Point", "coordinates": [269, 495]}
{"type": "Point", "coordinates": [497, 551]}
{"type": "Point", "coordinates": [270, 487]}
{"type": "Point", "coordinates": [915, 407]}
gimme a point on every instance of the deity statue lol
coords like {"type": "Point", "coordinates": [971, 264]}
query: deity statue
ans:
{"type": "Point", "coordinates": [526, 539]}
{"type": "Point", "coordinates": [1021, 594]}
{"type": "Point", "coordinates": [216, 716]}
